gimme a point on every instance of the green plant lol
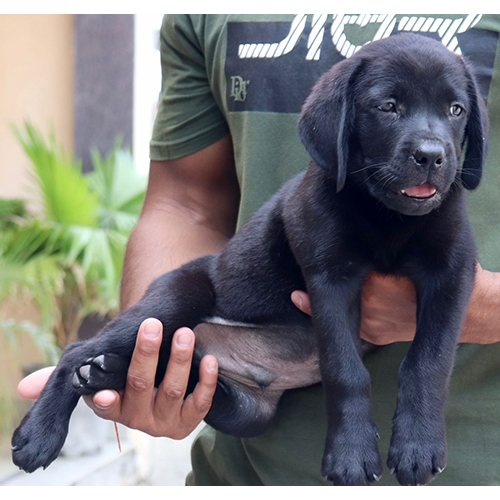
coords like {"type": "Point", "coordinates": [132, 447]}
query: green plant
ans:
{"type": "Point", "coordinates": [9, 211]}
{"type": "Point", "coordinates": [68, 259]}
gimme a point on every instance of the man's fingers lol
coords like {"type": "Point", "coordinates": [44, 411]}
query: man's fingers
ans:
{"type": "Point", "coordinates": [142, 370]}
{"type": "Point", "coordinates": [171, 392]}
{"type": "Point", "coordinates": [31, 386]}
{"type": "Point", "coordinates": [301, 301]}
{"type": "Point", "coordinates": [198, 403]}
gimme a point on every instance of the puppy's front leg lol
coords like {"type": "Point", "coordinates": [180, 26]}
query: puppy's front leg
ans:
{"type": "Point", "coordinates": [418, 444]}
{"type": "Point", "coordinates": [351, 452]}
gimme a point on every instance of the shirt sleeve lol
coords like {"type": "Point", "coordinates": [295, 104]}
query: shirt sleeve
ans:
{"type": "Point", "coordinates": [188, 117]}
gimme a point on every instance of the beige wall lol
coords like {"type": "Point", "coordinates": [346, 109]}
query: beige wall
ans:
{"type": "Point", "coordinates": [36, 82]}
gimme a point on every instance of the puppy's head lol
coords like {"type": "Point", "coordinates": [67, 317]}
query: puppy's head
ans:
{"type": "Point", "coordinates": [393, 120]}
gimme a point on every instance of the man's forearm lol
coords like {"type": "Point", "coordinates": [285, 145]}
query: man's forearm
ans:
{"type": "Point", "coordinates": [163, 240]}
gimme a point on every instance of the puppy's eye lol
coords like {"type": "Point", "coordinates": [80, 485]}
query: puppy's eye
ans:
{"type": "Point", "coordinates": [388, 107]}
{"type": "Point", "coordinates": [456, 110]}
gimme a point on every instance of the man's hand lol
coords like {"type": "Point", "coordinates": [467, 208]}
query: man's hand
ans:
{"type": "Point", "coordinates": [389, 306]}
{"type": "Point", "coordinates": [158, 412]}
{"type": "Point", "coordinates": [388, 310]}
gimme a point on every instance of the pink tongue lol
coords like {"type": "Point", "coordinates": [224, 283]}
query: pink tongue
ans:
{"type": "Point", "coordinates": [423, 191]}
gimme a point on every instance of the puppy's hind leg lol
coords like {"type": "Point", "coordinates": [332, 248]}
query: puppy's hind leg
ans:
{"type": "Point", "coordinates": [183, 297]}
{"type": "Point", "coordinates": [180, 298]}
{"type": "Point", "coordinates": [241, 410]}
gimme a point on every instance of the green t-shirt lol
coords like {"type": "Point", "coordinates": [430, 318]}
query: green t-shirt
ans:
{"type": "Point", "coordinates": [248, 75]}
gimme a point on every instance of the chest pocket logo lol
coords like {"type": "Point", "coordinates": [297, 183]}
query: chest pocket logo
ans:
{"type": "Point", "coordinates": [239, 88]}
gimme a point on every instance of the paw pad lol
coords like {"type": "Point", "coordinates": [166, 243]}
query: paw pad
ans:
{"type": "Point", "coordinates": [106, 371]}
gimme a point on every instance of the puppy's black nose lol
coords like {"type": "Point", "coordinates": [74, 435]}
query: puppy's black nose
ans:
{"type": "Point", "coordinates": [429, 155]}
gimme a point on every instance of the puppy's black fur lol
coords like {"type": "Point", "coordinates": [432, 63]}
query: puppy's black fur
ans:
{"type": "Point", "coordinates": [384, 193]}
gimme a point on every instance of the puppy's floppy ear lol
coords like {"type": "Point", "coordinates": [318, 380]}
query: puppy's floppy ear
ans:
{"type": "Point", "coordinates": [476, 132]}
{"type": "Point", "coordinates": [328, 116]}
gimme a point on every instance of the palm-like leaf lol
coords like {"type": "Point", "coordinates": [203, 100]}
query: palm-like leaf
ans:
{"type": "Point", "coordinates": [43, 339]}
{"type": "Point", "coordinates": [119, 188]}
{"type": "Point", "coordinates": [66, 196]}
{"type": "Point", "coordinates": [39, 280]}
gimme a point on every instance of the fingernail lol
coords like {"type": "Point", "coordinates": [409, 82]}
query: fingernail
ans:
{"type": "Point", "coordinates": [212, 366]}
{"type": "Point", "coordinates": [184, 340]}
{"type": "Point", "coordinates": [102, 406]}
{"type": "Point", "coordinates": [152, 330]}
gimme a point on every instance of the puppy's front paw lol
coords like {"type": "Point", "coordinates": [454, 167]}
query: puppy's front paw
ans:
{"type": "Point", "coordinates": [353, 460]}
{"type": "Point", "coordinates": [417, 457]}
{"type": "Point", "coordinates": [37, 442]}
{"type": "Point", "coordinates": [107, 371]}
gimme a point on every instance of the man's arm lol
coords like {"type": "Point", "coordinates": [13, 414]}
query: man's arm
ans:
{"type": "Point", "coordinates": [190, 210]}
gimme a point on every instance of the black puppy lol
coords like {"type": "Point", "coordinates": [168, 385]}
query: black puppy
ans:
{"type": "Point", "coordinates": [384, 193]}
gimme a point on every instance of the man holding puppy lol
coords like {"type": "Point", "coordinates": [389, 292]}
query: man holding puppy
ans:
{"type": "Point", "coordinates": [225, 139]}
